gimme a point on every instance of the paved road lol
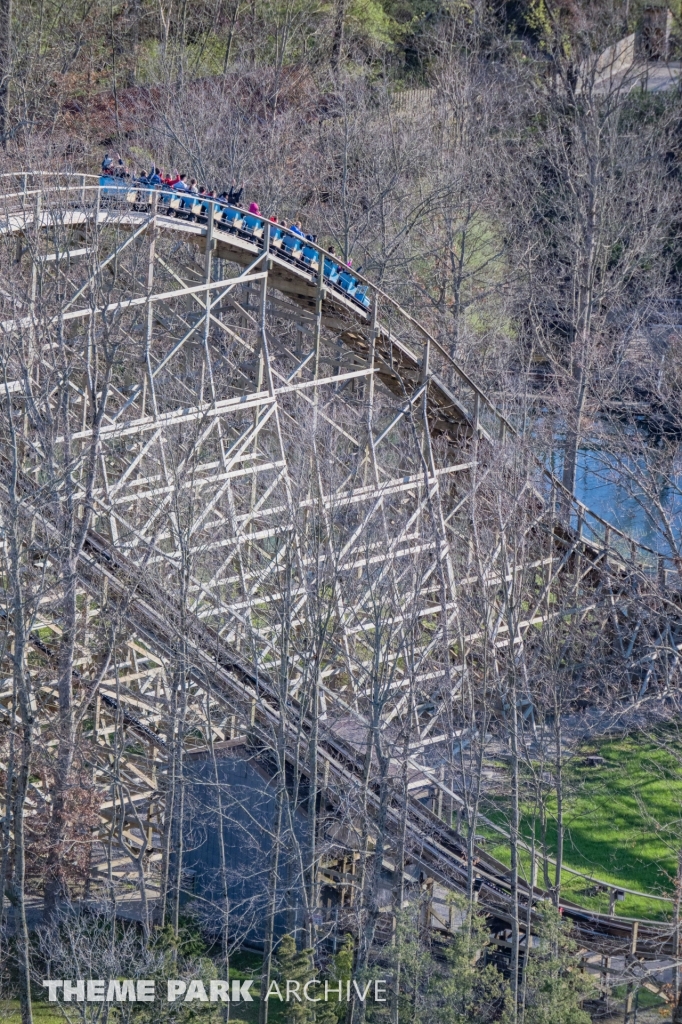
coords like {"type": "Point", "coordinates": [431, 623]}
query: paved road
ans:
{"type": "Point", "coordinates": [659, 77]}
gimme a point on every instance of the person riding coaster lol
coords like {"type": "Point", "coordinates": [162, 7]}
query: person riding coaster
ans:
{"type": "Point", "coordinates": [193, 203]}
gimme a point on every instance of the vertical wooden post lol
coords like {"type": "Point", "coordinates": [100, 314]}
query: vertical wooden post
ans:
{"type": "Point", "coordinates": [677, 993]}
{"type": "Point", "coordinates": [208, 273]}
{"type": "Point", "coordinates": [323, 789]}
{"type": "Point", "coordinates": [148, 383]}
{"type": "Point", "coordinates": [606, 960]}
{"type": "Point", "coordinates": [343, 880]}
{"type": "Point", "coordinates": [426, 353]}
{"type": "Point", "coordinates": [630, 997]}
{"type": "Point", "coordinates": [319, 297]}
{"type": "Point", "coordinates": [369, 450]}
{"type": "Point", "coordinates": [262, 319]}
{"type": "Point", "coordinates": [578, 560]}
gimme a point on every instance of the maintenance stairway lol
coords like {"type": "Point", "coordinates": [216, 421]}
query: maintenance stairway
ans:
{"type": "Point", "coordinates": [295, 525]}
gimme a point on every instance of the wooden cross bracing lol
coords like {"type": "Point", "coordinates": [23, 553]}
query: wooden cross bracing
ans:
{"type": "Point", "coordinates": [262, 457]}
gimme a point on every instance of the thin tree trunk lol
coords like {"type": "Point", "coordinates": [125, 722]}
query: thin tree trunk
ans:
{"type": "Point", "coordinates": [543, 840]}
{"type": "Point", "coordinates": [230, 35]}
{"type": "Point", "coordinates": [366, 936]}
{"type": "Point", "coordinates": [559, 808]}
{"type": "Point", "coordinates": [221, 853]}
{"type": "Point", "coordinates": [362, 872]}
{"type": "Point", "coordinates": [339, 32]}
{"type": "Point", "coordinates": [282, 795]}
{"type": "Point", "coordinates": [135, 14]}
{"type": "Point", "coordinates": [573, 435]}
{"type": "Point", "coordinates": [312, 808]}
{"type": "Point", "coordinates": [529, 915]}
{"type": "Point", "coordinates": [272, 907]}
{"type": "Point", "coordinates": [19, 781]}
{"type": "Point", "coordinates": [583, 324]}
{"type": "Point", "coordinates": [514, 850]}
{"type": "Point", "coordinates": [56, 889]}
{"type": "Point", "coordinates": [19, 886]}
{"type": "Point", "coordinates": [677, 1005]}
{"type": "Point", "coordinates": [5, 67]}
{"type": "Point", "coordinates": [74, 527]}
{"type": "Point", "coordinates": [400, 890]}
{"type": "Point", "coordinates": [177, 821]}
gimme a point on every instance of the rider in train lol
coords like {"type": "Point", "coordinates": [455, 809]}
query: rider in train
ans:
{"type": "Point", "coordinates": [291, 241]}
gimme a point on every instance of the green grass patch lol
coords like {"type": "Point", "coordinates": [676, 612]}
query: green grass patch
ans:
{"type": "Point", "coordinates": [622, 822]}
{"type": "Point", "coordinates": [643, 999]}
{"type": "Point", "coordinates": [43, 1013]}
{"type": "Point", "coordinates": [243, 965]}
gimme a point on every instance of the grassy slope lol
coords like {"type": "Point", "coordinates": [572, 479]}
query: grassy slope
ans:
{"type": "Point", "coordinates": [43, 1013]}
{"type": "Point", "coordinates": [607, 833]}
{"type": "Point", "coordinates": [242, 965]}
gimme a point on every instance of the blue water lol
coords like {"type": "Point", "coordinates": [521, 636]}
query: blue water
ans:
{"type": "Point", "coordinates": [606, 490]}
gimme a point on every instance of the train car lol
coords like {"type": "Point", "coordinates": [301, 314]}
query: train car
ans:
{"type": "Point", "coordinates": [310, 257]}
{"type": "Point", "coordinates": [232, 219]}
{"type": "Point", "coordinates": [292, 245]}
{"type": "Point", "coordinates": [332, 270]}
{"type": "Point", "coordinates": [347, 283]}
{"type": "Point", "coordinates": [114, 191]}
{"type": "Point", "coordinates": [252, 226]}
{"type": "Point", "coordinates": [175, 206]}
{"type": "Point", "coordinates": [229, 218]}
{"type": "Point", "coordinates": [362, 296]}
{"type": "Point", "coordinates": [191, 206]}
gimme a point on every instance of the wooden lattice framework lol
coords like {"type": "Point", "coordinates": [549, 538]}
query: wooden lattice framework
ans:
{"type": "Point", "coordinates": [272, 455]}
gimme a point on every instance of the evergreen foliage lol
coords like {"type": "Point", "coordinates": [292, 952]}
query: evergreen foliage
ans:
{"type": "Point", "coordinates": [453, 985]}
{"type": "Point", "coordinates": [555, 982]}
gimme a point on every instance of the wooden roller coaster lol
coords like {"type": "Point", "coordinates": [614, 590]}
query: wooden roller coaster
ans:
{"type": "Point", "coordinates": [258, 457]}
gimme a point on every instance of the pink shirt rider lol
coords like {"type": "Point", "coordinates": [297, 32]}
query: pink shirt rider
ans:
{"type": "Point", "coordinates": [254, 208]}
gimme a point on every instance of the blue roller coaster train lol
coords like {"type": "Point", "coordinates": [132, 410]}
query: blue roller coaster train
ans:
{"type": "Point", "coordinates": [291, 246]}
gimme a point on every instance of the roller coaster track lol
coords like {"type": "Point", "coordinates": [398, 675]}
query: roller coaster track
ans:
{"type": "Point", "coordinates": [438, 849]}
{"type": "Point", "coordinates": [247, 379]}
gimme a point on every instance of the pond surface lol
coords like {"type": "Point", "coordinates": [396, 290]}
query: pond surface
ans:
{"type": "Point", "coordinates": [601, 485]}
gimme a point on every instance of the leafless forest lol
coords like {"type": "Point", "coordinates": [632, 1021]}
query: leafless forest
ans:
{"type": "Point", "coordinates": [340, 625]}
